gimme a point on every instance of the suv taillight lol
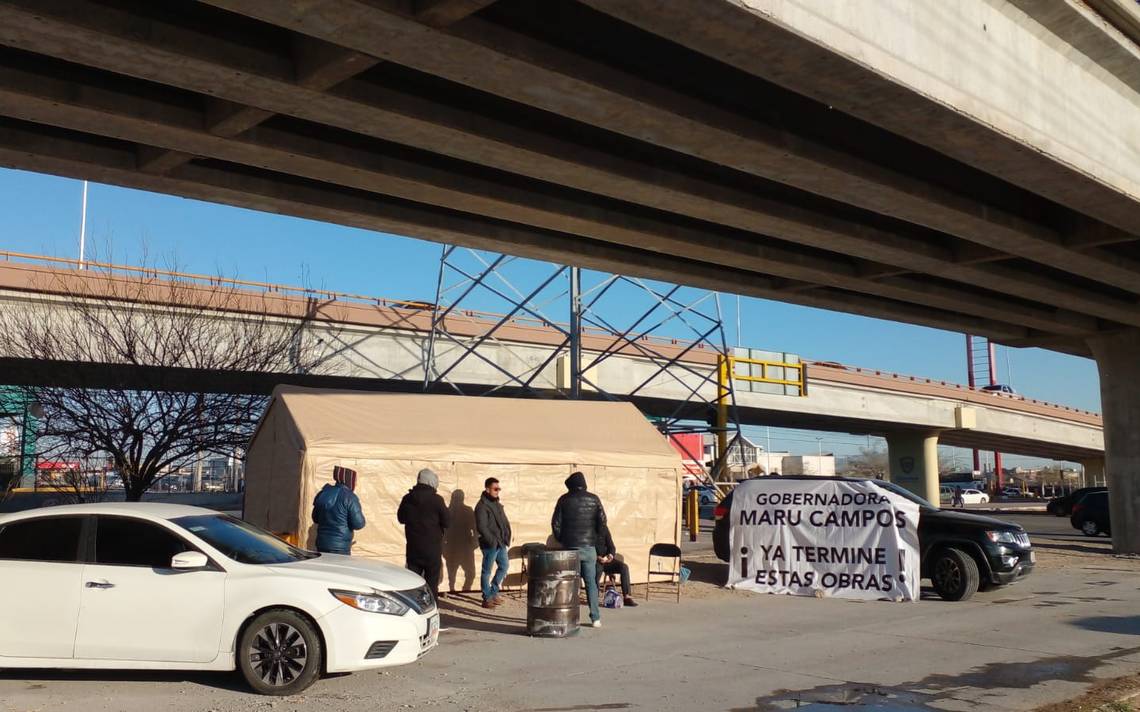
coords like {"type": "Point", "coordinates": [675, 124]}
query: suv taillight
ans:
{"type": "Point", "coordinates": [720, 511]}
{"type": "Point", "coordinates": [1077, 508]}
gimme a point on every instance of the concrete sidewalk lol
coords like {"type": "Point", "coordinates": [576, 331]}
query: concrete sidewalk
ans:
{"type": "Point", "coordinates": [1046, 639]}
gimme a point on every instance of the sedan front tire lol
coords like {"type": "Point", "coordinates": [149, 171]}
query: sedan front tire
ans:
{"type": "Point", "coordinates": [280, 653]}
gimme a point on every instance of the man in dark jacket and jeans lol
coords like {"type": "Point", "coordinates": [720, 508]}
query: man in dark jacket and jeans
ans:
{"type": "Point", "coordinates": [494, 539]}
{"type": "Point", "coordinates": [425, 519]}
{"type": "Point", "coordinates": [579, 522]}
{"type": "Point", "coordinates": [611, 563]}
{"type": "Point", "coordinates": [337, 513]}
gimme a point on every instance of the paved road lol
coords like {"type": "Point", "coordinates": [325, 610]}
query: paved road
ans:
{"type": "Point", "coordinates": [1043, 640]}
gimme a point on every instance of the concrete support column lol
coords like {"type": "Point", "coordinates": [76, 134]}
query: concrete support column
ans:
{"type": "Point", "coordinates": [914, 462]}
{"type": "Point", "coordinates": [1094, 471]}
{"type": "Point", "coordinates": [1118, 360]}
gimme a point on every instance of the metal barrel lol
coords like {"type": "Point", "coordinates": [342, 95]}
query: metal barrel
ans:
{"type": "Point", "coordinates": [552, 589]}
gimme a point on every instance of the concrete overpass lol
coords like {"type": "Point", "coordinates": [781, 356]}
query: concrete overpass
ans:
{"type": "Point", "coordinates": [371, 343]}
{"type": "Point", "coordinates": [971, 166]}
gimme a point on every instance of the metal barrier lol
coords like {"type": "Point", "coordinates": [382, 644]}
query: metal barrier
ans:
{"type": "Point", "coordinates": [797, 368]}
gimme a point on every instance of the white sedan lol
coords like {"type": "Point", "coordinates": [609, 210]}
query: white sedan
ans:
{"type": "Point", "coordinates": [973, 496]}
{"type": "Point", "coordinates": [153, 586]}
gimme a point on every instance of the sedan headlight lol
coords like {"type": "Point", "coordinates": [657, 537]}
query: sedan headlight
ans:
{"type": "Point", "coordinates": [1002, 537]}
{"type": "Point", "coordinates": [375, 602]}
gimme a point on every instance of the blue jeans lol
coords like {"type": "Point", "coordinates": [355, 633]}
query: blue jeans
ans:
{"type": "Point", "coordinates": [588, 563]}
{"type": "Point", "coordinates": [493, 555]}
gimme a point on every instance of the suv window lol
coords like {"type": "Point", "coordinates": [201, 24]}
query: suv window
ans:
{"type": "Point", "coordinates": [121, 541]}
{"type": "Point", "coordinates": [42, 539]}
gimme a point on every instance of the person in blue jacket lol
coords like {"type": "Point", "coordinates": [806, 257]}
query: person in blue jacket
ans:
{"type": "Point", "coordinates": [337, 513]}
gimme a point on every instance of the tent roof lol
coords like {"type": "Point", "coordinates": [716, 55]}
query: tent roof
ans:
{"type": "Point", "coordinates": [362, 424]}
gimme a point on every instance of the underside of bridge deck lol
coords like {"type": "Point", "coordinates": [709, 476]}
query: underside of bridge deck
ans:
{"type": "Point", "coordinates": [707, 143]}
{"type": "Point", "coordinates": [696, 142]}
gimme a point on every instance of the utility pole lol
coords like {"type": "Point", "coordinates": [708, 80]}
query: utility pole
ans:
{"type": "Point", "coordinates": [83, 227]}
{"type": "Point", "coordinates": [575, 333]}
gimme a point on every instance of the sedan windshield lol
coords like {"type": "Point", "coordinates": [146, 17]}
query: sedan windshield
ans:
{"type": "Point", "coordinates": [892, 487]}
{"type": "Point", "coordinates": [241, 541]}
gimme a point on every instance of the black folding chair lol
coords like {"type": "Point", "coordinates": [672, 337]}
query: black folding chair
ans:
{"type": "Point", "coordinates": [660, 554]}
{"type": "Point", "coordinates": [523, 552]}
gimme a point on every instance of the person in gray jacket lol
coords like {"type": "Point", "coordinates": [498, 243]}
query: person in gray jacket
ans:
{"type": "Point", "coordinates": [494, 530]}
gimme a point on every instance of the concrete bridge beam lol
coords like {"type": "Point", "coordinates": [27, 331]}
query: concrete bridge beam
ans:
{"type": "Point", "coordinates": [914, 461]}
{"type": "Point", "coordinates": [1116, 359]}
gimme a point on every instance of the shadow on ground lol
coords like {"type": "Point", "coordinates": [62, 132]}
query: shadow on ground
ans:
{"type": "Point", "coordinates": [467, 613]}
{"type": "Point", "coordinates": [1124, 625]}
{"type": "Point", "coordinates": [714, 572]}
{"type": "Point", "coordinates": [230, 681]}
{"type": "Point", "coordinates": [934, 691]}
{"type": "Point", "coordinates": [1091, 548]}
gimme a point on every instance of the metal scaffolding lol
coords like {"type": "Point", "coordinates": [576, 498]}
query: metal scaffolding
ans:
{"type": "Point", "coordinates": [484, 298]}
{"type": "Point", "coordinates": [981, 371]}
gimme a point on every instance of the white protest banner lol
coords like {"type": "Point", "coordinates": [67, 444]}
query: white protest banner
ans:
{"type": "Point", "coordinates": [833, 538]}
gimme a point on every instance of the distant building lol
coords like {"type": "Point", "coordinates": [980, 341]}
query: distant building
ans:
{"type": "Point", "coordinates": [691, 448]}
{"type": "Point", "coordinates": [814, 465]}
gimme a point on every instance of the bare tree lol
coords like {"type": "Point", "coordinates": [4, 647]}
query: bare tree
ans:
{"type": "Point", "coordinates": [870, 462]}
{"type": "Point", "coordinates": [118, 361]}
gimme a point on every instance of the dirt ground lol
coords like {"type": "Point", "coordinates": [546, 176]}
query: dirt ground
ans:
{"type": "Point", "coordinates": [705, 583]}
{"type": "Point", "coordinates": [1119, 694]}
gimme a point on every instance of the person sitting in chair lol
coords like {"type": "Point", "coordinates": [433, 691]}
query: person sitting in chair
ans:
{"type": "Point", "coordinates": [611, 565]}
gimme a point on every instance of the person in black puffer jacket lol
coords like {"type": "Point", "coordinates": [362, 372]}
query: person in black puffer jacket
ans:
{"type": "Point", "coordinates": [425, 519]}
{"type": "Point", "coordinates": [579, 522]}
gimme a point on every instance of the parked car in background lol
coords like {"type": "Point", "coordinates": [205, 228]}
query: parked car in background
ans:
{"type": "Point", "coordinates": [973, 496]}
{"type": "Point", "coordinates": [960, 552]}
{"type": "Point", "coordinates": [1000, 388]}
{"type": "Point", "coordinates": [707, 493]}
{"type": "Point", "coordinates": [171, 587]}
{"type": "Point", "coordinates": [1090, 515]}
{"type": "Point", "coordinates": [1063, 506]}
{"type": "Point", "coordinates": [1012, 492]}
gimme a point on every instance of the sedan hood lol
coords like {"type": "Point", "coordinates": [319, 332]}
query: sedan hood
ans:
{"type": "Point", "coordinates": [964, 518]}
{"type": "Point", "coordinates": [352, 571]}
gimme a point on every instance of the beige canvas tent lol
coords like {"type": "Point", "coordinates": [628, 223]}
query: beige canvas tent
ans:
{"type": "Point", "coordinates": [530, 445]}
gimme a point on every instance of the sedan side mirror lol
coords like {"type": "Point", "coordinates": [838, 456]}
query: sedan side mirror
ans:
{"type": "Point", "coordinates": [189, 560]}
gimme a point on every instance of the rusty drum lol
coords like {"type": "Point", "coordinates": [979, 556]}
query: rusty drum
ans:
{"type": "Point", "coordinates": [552, 589]}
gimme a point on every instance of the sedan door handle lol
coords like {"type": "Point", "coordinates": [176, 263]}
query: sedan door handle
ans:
{"type": "Point", "coordinates": [100, 584]}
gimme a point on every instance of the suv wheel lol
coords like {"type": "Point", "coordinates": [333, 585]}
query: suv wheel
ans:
{"type": "Point", "coordinates": [279, 653]}
{"type": "Point", "coordinates": [1090, 528]}
{"type": "Point", "coordinates": [954, 575]}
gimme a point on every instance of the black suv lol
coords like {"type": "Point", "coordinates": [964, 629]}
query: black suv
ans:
{"type": "Point", "coordinates": [1090, 514]}
{"type": "Point", "coordinates": [960, 552]}
{"type": "Point", "coordinates": [1063, 506]}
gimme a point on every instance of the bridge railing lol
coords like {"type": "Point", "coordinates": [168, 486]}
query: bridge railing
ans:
{"type": "Point", "coordinates": [274, 289]}
{"type": "Point", "coordinates": [492, 318]}
{"type": "Point", "coordinates": [822, 368]}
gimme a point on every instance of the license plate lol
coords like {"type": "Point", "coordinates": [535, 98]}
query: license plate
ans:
{"type": "Point", "coordinates": [433, 629]}
{"type": "Point", "coordinates": [1033, 557]}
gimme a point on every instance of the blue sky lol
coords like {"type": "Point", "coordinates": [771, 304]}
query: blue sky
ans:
{"type": "Point", "coordinates": [40, 214]}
